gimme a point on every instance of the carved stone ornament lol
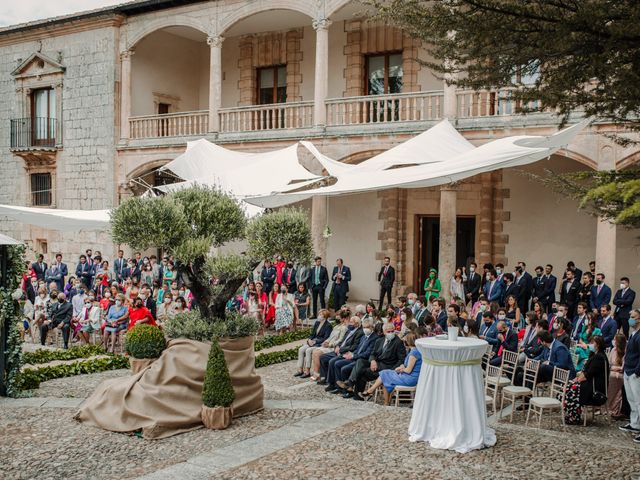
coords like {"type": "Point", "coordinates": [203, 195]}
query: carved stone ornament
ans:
{"type": "Point", "coordinates": [215, 40]}
{"type": "Point", "coordinates": [321, 24]}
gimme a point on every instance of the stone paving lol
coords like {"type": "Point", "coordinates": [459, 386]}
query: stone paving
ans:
{"type": "Point", "coordinates": [302, 433]}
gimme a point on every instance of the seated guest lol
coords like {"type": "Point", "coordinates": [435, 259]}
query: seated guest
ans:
{"type": "Point", "coordinates": [431, 327]}
{"type": "Point", "coordinates": [562, 329]}
{"type": "Point", "coordinates": [589, 330]}
{"type": "Point", "coordinates": [608, 325]}
{"type": "Point", "coordinates": [535, 347]}
{"type": "Point", "coordinates": [470, 328]}
{"type": "Point", "coordinates": [90, 318]}
{"type": "Point", "coordinates": [580, 321]}
{"type": "Point", "coordinates": [555, 354]}
{"type": "Point", "coordinates": [488, 330]}
{"type": "Point", "coordinates": [454, 310]}
{"type": "Point", "coordinates": [407, 321]}
{"type": "Point", "coordinates": [405, 375]}
{"type": "Point", "coordinates": [139, 314]}
{"type": "Point", "coordinates": [337, 335]}
{"type": "Point", "coordinates": [507, 340]}
{"type": "Point", "coordinates": [616, 377]}
{"type": "Point", "coordinates": [60, 318]}
{"type": "Point", "coordinates": [342, 367]}
{"type": "Point", "coordinates": [319, 333]}
{"type": "Point", "coordinates": [421, 310]}
{"type": "Point", "coordinates": [590, 382]}
{"type": "Point", "coordinates": [388, 353]}
{"type": "Point", "coordinates": [349, 344]}
{"type": "Point", "coordinates": [439, 313]}
{"type": "Point", "coordinates": [117, 319]}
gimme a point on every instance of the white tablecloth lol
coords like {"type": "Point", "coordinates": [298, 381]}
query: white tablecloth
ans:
{"type": "Point", "coordinates": [449, 410]}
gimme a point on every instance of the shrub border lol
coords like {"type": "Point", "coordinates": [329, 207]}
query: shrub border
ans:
{"type": "Point", "coordinates": [43, 355]}
{"type": "Point", "coordinates": [275, 340]}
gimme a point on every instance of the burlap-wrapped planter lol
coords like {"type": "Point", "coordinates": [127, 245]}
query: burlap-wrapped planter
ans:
{"type": "Point", "coordinates": [217, 418]}
{"type": "Point", "coordinates": [139, 364]}
{"type": "Point", "coordinates": [241, 361]}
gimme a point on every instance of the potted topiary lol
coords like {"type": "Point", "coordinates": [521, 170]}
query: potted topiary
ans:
{"type": "Point", "coordinates": [144, 344]}
{"type": "Point", "coordinates": [217, 391]}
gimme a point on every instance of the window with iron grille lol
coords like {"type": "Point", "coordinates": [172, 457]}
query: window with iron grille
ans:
{"type": "Point", "coordinates": [41, 189]}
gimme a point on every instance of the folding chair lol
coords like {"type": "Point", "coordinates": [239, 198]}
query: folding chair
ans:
{"type": "Point", "coordinates": [513, 392]}
{"type": "Point", "coordinates": [403, 394]}
{"type": "Point", "coordinates": [558, 388]}
{"type": "Point", "coordinates": [491, 388]}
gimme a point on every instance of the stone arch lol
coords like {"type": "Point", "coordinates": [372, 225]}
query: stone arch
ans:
{"type": "Point", "coordinates": [148, 28]}
{"type": "Point", "coordinates": [578, 157]}
{"type": "Point", "coordinates": [146, 168]}
{"type": "Point", "coordinates": [629, 161]}
{"type": "Point", "coordinates": [306, 7]}
{"type": "Point", "coordinates": [358, 157]}
{"type": "Point", "coordinates": [332, 6]}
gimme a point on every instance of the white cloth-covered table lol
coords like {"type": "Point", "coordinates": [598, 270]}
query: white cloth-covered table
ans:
{"type": "Point", "coordinates": [449, 409]}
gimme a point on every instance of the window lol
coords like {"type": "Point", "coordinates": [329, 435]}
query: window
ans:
{"type": "Point", "coordinates": [43, 112]}
{"type": "Point", "coordinates": [41, 189]}
{"type": "Point", "coordinates": [272, 85]}
{"type": "Point", "coordinates": [384, 74]}
{"type": "Point", "coordinates": [42, 246]}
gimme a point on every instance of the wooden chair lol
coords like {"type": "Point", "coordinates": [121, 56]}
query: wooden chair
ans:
{"type": "Point", "coordinates": [491, 388]}
{"type": "Point", "coordinates": [507, 369]}
{"type": "Point", "coordinates": [512, 392]}
{"type": "Point", "coordinates": [558, 388]}
{"type": "Point", "coordinates": [603, 409]}
{"type": "Point", "coordinates": [403, 394]}
{"type": "Point", "coordinates": [485, 359]}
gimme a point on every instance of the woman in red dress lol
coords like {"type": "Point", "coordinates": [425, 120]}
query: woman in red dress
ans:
{"type": "Point", "coordinates": [139, 315]}
{"type": "Point", "coordinates": [263, 302]}
{"type": "Point", "coordinates": [270, 318]}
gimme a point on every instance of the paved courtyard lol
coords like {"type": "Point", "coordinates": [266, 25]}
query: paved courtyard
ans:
{"type": "Point", "coordinates": [302, 433]}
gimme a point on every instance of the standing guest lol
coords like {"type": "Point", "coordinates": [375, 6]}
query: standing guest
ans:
{"type": "Point", "coordinates": [284, 310]}
{"type": "Point", "coordinates": [270, 317]}
{"type": "Point", "coordinates": [577, 273]}
{"type": "Point", "coordinates": [623, 300]}
{"type": "Point", "coordinates": [318, 281]}
{"type": "Point", "coordinates": [169, 273]}
{"type": "Point", "coordinates": [456, 285]}
{"type": "Point", "coordinates": [525, 286]}
{"type": "Point", "coordinates": [303, 272]}
{"type": "Point", "coordinates": [600, 294]}
{"type": "Point", "coordinates": [319, 334]}
{"type": "Point", "coordinates": [473, 284]}
{"type": "Point", "coordinates": [39, 267]}
{"type": "Point", "coordinates": [586, 284]}
{"type": "Point", "coordinates": [289, 277]}
{"type": "Point", "coordinates": [139, 314]}
{"type": "Point", "coordinates": [493, 288]}
{"type": "Point", "coordinates": [592, 268]}
{"type": "Point", "coordinates": [146, 275]}
{"type": "Point", "coordinates": [569, 292]}
{"type": "Point", "coordinates": [386, 279]}
{"type": "Point", "coordinates": [268, 276]}
{"type": "Point", "coordinates": [85, 272]}
{"type": "Point", "coordinates": [279, 266]}
{"type": "Point", "coordinates": [57, 273]}
{"type": "Point", "coordinates": [341, 276]}
{"type": "Point", "coordinates": [607, 325]}
{"type": "Point", "coordinates": [60, 318]}
{"type": "Point", "coordinates": [588, 383]}
{"type": "Point", "coordinates": [616, 376]}
{"type": "Point", "coordinates": [405, 375]}
{"type": "Point", "coordinates": [510, 287]}
{"type": "Point", "coordinates": [117, 319]}
{"type": "Point", "coordinates": [538, 288]}
{"type": "Point", "coordinates": [549, 292]}
{"type": "Point", "coordinates": [335, 339]}
{"type": "Point", "coordinates": [133, 272]}
{"type": "Point", "coordinates": [302, 300]}
{"type": "Point", "coordinates": [513, 313]}
{"type": "Point", "coordinates": [631, 371]}
{"type": "Point", "coordinates": [432, 286]}
{"type": "Point", "coordinates": [263, 301]}
{"type": "Point", "coordinates": [120, 266]}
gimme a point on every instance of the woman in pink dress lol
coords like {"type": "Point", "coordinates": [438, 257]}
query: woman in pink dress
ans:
{"type": "Point", "coordinates": [616, 381]}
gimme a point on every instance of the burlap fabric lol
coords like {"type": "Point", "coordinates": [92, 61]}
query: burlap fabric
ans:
{"type": "Point", "coordinates": [166, 398]}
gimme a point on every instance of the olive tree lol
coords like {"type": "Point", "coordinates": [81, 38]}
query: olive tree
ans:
{"type": "Point", "coordinates": [190, 222]}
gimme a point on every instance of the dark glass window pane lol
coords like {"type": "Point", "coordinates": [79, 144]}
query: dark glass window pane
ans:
{"type": "Point", "coordinates": [41, 189]}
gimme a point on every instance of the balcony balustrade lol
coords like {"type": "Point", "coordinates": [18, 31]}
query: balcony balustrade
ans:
{"type": "Point", "coordinates": [169, 125]}
{"type": "Point", "coordinates": [35, 132]}
{"type": "Point", "coordinates": [273, 116]}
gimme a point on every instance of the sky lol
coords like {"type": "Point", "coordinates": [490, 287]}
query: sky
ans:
{"type": "Point", "coordinates": [20, 11]}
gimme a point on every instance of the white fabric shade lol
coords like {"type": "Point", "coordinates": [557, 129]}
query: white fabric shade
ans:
{"type": "Point", "coordinates": [7, 240]}
{"type": "Point", "coordinates": [57, 219]}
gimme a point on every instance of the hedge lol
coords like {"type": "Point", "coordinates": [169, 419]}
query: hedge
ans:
{"type": "Point", "coordinates": [30, 378]}
{"type": "Point", "coordinates": [274, 340]}
{"type": "Point", "coordinates": [265, 359]}
{"type": "Point", "coordinates": [45, 356]}
{"type": "Point", "coordinates": [217, 390]}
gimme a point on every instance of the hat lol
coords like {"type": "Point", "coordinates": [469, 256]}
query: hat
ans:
{"type": "Point", "coordinates": [433, 270]}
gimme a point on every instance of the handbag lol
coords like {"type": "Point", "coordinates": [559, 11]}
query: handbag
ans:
{"type": "Point", "coordinates": [599, 398]}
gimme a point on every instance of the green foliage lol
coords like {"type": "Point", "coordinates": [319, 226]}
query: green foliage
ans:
{"type": "Point", "coordinates": [146, 222]}
{"type": "Point", "coordinates": [212, 214]}
{"type": "Point", "coordinates": [226, 266]}
{"type": "Point", "coordinates": [144, 341]}
{"type": "Point", "coordinates": [217, 390]}
{"type": "Point", "coordinates": [30, 378]}
{"type": "Point", "coordinates": [284, 232]}
{"type": "Point", "coordinates": [192, 248]}
{"type": "Point", "coordinates": [45, 356]}
{"type": "Point", "coordinates": [568, 44]}
{"type": "Point", "coordinates": [235, 325]}
{"type": "Point", "coordinates": [612, 195]}
{"type": "Point", "coordinates": [274, 340]}
{"type": "Point", "coordinates": [189, 325]}
{"type": "Point", "coordinates": [265, 359]}
{"type": "Point", "coordinates": [10, 315]}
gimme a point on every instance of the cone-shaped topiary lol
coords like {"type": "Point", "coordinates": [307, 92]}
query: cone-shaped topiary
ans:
{"type": "Point", "coordinates": [144, 341]}
{"type": "Point", "coordinates": [217, 390]}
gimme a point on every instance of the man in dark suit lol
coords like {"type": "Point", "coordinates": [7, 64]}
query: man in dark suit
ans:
{"type": "Point", "coordinates": [133, 271]}
{"type": "Point", "coordinates": [488, 330]}
{"type": "Point", "coordinates": [577, 273]}
{"type": "Point", "coordinates": [85, 272]}
{"type": "Point", "coordinates": [342, 368]}
{"type": "Point", "coordinates": [569, 292]}
{"type": "Point", "coordinates": [147, 299]}
{"type": "Point", "coordinates": [473, 284]}
{"type": "Point", "coordinates": [318, 281]}
{"type": "Point", "coordinates": [57, 273]}
{"type": "Point", "coordinates": [439, 313]}
{"type": "Point", "coordinates": [623, 300]}
{"type": "Point", "coordinates": [386, 278]}
{"type": "Point", "coordinates": [510, 288]}
{"type": "Point", "coordinates": [39, 267]}
{"type": "Point", "coordinates": [555, 354]}
{"type": "Point", "coordinates": [549, 293]}
{"type": "Point", "coordinates": [493, 288]}
{"type": "Point", "coordinates": [525, 284]}
{"type": "Point", "coordinates": [538, 286]}
{"type": "Point", "coordinates": [289, 277]}
{"type": "Point", "coordinates": [579, 321]}
{"type": "Point", "coordinates": [60, 318]}
{"type": "Point", "coordinates": [341, 276]}
{"type": "Point", "coordinates": [349, 343]}
{"type": "Point", "coordinates": [388, 353]}
{"type": "Point", "coordinates": [120, 266]}
{"type": "Point", "coordinates": [421, 311]}
{"type": "Point", "coordinates": [600, 294]}
{"type": "Point", "coordinates": [608, 325]}
{"type": "Point", "coordinates": [507, 340]}
{"type": "Point", "coordinates": [268, 276]}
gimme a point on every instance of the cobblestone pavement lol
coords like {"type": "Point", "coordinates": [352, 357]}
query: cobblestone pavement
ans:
{"type": "Point", "coordinates": [302, 433]}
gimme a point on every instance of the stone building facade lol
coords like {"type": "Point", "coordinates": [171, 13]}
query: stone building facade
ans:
{"type": "Point", "coordinates": [94, 103]}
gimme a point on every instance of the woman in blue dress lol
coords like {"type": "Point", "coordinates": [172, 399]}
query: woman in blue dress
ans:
{"type": "Point", "coordinates": [404, 376]}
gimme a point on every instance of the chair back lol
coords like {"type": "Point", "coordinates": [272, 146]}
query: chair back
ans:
{"type": "Point", "coordinates": [491, 388]}
{"type": "Point", "coordinates": [509, 364]}
{"type": "Point", "coordinates": [559, 383]}
{"type": "Point", "coordinates": [531, 368]}
{"type": "Point", "coordinates": [486, 357]}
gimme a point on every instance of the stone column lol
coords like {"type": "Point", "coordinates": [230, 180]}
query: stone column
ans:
{"type": "Point", "coordinates": [215, 81]}
{"type": "Point", "coordinates": [321, 85]}
{"type": "Point", "coordinates": [447, 255]}
{"type": "Point", "coordinates": [606, 231]}
{"type": "Point", "coordinates": [449, 101]}
{"type": "Point", "coordinates": [125, 92]}
{"type": "Point", "coordinates": [318, 223]}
